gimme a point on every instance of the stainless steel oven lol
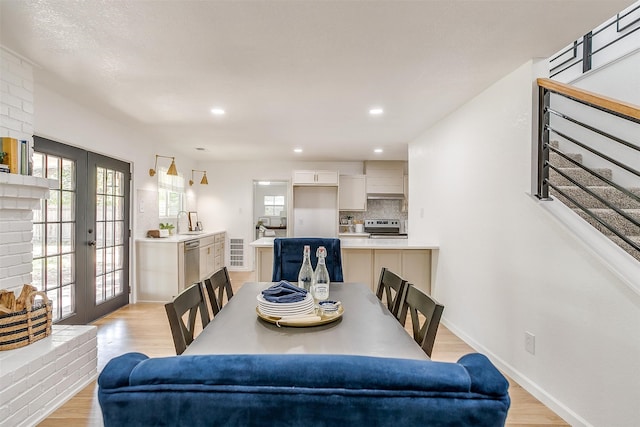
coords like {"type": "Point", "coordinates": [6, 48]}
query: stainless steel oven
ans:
{"type": "Point", "coordinates": [383, 229]}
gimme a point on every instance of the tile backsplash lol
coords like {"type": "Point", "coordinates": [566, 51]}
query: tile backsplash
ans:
{"type": "Point", "coordinates": [379, 209]}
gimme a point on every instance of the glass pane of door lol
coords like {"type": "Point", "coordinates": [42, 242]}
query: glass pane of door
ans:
{"type": "Point", "coordinates": [110, 229]}
{"type": "Point", "coordinates": [54, 230]}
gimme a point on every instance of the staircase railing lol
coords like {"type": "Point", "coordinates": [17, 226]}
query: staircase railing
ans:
{"type": "Point", "coordinates": [577, 58]}
{"type": "Point", "coordinates": [580, 135]}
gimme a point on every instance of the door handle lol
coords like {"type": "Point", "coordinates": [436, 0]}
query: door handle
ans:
{"type": "Point", "coordinates": [91, 242]}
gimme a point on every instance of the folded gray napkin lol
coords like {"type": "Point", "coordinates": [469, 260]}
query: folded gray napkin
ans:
{"type": "Point", "coordinates": [284, 292]}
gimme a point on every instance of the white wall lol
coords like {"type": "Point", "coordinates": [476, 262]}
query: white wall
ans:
{"type": "Point", "coordinates": [506, 266]}
{"type": "Point", "coordinates": [619, 79]}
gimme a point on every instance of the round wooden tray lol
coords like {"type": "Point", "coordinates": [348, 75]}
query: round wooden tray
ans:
{"type": "Point", "coordinates": [324, 319]}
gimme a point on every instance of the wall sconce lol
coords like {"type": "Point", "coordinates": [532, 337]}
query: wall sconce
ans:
{"type": "Point", "coordinates": [204, 177]}
{"type": "Point", "coordinates": [172, 169]}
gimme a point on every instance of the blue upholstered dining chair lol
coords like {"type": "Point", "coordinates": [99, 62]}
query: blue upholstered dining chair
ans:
{"type": "Point", "coordinates": [288, 254]}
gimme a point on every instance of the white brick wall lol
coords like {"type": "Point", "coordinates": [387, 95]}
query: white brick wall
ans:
{"type": "Point", "coordinates": [39, 378]}
{"type": "Point", "coordinates": [19, 195]}
{"type": "Point", "coordinates": [16, 97]}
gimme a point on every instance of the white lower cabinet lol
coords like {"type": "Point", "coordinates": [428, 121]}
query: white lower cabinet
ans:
{"type": "Point", "coordinates": [211, 254]}
{"type": "Point", "coordinates": [160, 269]}
{"type": "Point", "coordinates": [207, 257]}
{"type": "Point", "coordinates": [391, 259]}
{"type": "Point", "coordinates": [219, 250]}
{"type": "Point", "coordinates": [264, 264]}
{"type": "Point", "coordinates": [413, 265]}
{"type": "Point", "coordinates": [357, 266]}
{"type": "Point", "coordinates": [416, 269]}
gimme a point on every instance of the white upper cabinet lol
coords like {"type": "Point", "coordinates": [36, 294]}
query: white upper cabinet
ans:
{"type": "Point", "coordinates": [353, 193]}
{"type": "Point", "coordinates": [319, 177]}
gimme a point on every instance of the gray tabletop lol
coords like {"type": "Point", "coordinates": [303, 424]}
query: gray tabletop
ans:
{"type": "Point", "coordinates": [366, 328]}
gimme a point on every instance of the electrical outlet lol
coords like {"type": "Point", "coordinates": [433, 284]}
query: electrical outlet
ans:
{"type": "Point", "coordinates": [530, 342]}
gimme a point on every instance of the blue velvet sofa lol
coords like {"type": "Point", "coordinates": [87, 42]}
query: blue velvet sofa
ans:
{"type": "Point", "coordinates": [301, 390]}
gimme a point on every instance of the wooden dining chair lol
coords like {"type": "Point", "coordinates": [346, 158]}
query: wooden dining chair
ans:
{"type": "Point", "coordinates": [392, 287]}
{"type": "Point", "coordinates": [218, 287]}
{"type": "Point", "coordinates": [421, 305]}
{"type": "Point", "coordinates": [190, 301]}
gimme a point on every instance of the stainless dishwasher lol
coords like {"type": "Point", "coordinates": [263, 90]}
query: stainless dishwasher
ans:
{"type": "Point", "coordinates": [191, 262]}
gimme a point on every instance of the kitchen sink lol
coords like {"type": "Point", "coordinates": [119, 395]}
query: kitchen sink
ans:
{"type": "Point", "coordinates": [191, 232]}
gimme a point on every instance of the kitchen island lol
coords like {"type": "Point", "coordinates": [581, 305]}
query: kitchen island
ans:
{"type": "Point", "coordinates": [363, 259]}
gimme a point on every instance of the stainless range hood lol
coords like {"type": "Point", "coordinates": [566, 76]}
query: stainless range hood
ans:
{"type": "Point", "coordinates": [385, 196]}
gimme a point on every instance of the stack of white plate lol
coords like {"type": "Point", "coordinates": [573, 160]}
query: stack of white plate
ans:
{"type": "Point", "coordinates": [281, 309]}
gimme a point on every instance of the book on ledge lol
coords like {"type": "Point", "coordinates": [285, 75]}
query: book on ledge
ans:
{"type": "Point", "coordinates": [18, 156]}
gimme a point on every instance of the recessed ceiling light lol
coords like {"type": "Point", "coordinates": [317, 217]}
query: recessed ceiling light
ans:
{"type": "Point", "coordinates": [297, 150]}
{"type": "Point", "coordinates": [378, 150]}
{"type": "Point", "coordinates": [376, 111]}
{"type": "Point", "coordinates": [217, 111]}
{"type": "Point", "coordinates": [200, 148]}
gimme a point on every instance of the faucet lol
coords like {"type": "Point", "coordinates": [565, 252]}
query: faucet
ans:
{"type": "Point", "coordinates": [178, 220]}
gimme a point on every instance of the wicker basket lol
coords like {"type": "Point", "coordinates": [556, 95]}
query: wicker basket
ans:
{"type": "Point", "coordinates": [27, 326]}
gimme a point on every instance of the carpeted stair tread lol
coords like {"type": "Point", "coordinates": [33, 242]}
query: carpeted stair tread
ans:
{"type": "Point", "coordinates": [614, 219]}
{"type": "Point", "coordinates": [580, 175]}
{"type": "Point", "coordinates": [560, 162]}
{"type": "Point", "coordinates": [614, 196]}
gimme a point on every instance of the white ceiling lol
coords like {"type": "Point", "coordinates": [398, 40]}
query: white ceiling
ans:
{"type": "Point", "coordinates": [288, 73]}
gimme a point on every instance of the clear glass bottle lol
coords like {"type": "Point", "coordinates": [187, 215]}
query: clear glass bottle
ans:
{"type": "Point", "coordinates": [321, 277]}
{"type": "Point", "coordinates": [305, 276]}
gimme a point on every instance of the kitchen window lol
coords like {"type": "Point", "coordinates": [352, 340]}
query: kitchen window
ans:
{"type": "Point", "coordinates": [171, 194]}
{"type": "Point", "coordinates": [273, 205]}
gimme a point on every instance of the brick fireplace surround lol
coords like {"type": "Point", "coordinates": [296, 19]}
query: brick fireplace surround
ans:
{"type": "Point", "coordinates": [37, 379]}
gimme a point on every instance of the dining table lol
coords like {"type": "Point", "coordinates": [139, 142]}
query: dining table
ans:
{"type": "Point", "coordinates": [366, 327]}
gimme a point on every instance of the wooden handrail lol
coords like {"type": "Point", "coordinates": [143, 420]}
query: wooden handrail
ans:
{"type": "Point", "coordinates": [610, 104]}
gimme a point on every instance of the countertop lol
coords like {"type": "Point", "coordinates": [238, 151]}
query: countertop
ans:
{"type": "Point", "coordinates": [176, 238]}
{"type": "Point", "coordinates": [348, 234]}
{"type": "Point", "coordinates": [357, 243]}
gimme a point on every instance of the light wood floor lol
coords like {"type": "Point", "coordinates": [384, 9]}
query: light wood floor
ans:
{"type": "Point", "coordinates": [144, 328]}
